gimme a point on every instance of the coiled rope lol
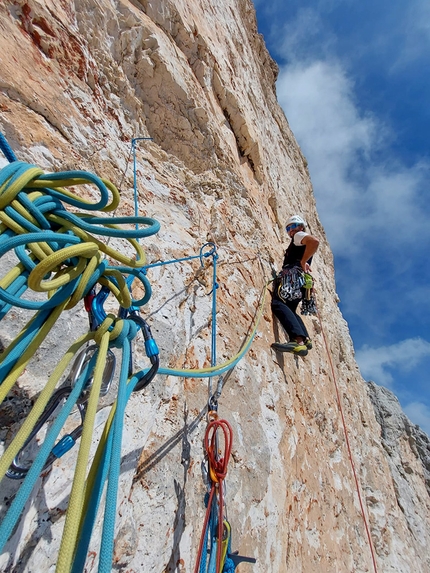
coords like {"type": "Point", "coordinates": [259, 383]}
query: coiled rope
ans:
{"type": "Point", "coordinates": [215, 506]}
{"type": "Point", "coordinates": [61, 257]}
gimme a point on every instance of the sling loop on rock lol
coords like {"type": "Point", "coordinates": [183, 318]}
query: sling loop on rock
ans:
{"type": "Point", "coordinates": [214, 520]}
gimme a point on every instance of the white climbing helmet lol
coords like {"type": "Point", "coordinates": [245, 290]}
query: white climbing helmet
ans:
{"type": "Point", "coordinates": [295, 220]}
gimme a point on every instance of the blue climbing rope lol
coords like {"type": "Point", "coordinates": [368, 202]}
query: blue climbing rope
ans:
{"type": "Point", "coordinates": [59, 254]}
{"type": "Point", "coordinates": [6, 148]}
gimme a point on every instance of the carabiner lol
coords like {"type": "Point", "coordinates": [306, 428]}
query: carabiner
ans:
{"type": "Point", "coordinates": [18, 471]}
{"type": "Point", "coordinates": [226, 536]}
{"type": "Point", "coordinates": [151, 349]}
{"type": "Point", "coordinates": [213, 404]}
{"type": "Point", "coordinates": [79, 365]}
{"type": "Point", "coordinates": [97, 313]}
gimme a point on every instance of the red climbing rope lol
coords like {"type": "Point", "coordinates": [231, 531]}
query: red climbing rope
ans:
{"type": "Point", "coordinates": [217, 473]}
{"type": "Point", "coordinates": [345, 431]}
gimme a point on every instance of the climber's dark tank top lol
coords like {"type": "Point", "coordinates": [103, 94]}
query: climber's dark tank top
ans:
{"type": "Point", "coordinates": [293, 254]}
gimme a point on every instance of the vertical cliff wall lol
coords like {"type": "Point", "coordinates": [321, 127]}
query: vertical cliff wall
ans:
{"type": "Point", "coordinates": [79, 79]}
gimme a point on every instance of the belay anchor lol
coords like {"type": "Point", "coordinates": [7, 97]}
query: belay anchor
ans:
{"type": "Point", "coordinates": [216, 527]}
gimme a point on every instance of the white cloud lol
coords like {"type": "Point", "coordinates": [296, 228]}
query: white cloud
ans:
{"type": "Point", "coordinates": [376, 362]}
{"type": "Point", "coordinates": [319, 99]}
{"type": "Point", "coordinates": [355, 192]}
{"type": "Point", "coordinates": [399, 201]}
{"type": "Point", "coordinates": [419, 413]}
{"type": "Point", "coordinates": [318, 102]}
{"type": "Point", "coordinates": [305, 35]}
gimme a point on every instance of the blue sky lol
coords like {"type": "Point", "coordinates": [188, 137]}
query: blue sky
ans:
{"type": "Point", "coordinates": [354, 83]}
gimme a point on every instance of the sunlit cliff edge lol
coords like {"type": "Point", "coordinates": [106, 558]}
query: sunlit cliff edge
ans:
{"type": "Point", "coordinates": [79, 79]}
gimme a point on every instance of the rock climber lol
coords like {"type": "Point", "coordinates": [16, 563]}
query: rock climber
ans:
{"type": "Point", "coordinates": [297, 258]}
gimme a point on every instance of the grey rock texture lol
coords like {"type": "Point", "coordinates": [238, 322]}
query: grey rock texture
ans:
{"type": "Point", "coordinates": [398, 433]}
{"type": "Point", "coordinates": [78, 80]}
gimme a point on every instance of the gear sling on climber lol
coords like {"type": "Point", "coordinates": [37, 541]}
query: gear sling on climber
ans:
{"type": "Point", "coordinates": [289, 287]}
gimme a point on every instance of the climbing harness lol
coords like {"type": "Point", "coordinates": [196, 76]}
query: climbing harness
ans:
{"type": "Point", "coordinates": [291, 283]}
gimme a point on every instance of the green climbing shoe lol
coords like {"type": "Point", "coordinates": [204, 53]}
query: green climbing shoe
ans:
{"type": "Point", "coordinates": [293, 347]}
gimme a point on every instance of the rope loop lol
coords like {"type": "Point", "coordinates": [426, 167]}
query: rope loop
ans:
{"type": "Point", "coordinates": [62, 257]}
{"type": "Point", "coordinates": [214, 524]}
{"type": "Point", "coordinates": [14, 178]}
{"type": "Point", "coordinates": [52, 264]}
{"type": "Point", "coordinates": [104, 327]}
{"type": "Point", "coordinates": [217, 464]}
{"type": "Point", "coordinates": [57, 184]}
{"type": "Point", "coordinates": [56, 247]}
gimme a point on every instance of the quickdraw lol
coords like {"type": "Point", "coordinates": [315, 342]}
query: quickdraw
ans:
{"type": "Point", "coordinates": [308, 301]}
{"type": "Point", "coordinates": [81, 366]}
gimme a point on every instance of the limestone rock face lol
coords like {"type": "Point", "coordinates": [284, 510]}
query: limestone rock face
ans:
{"type": "Point", "coordinates": [79, 79]}
{"type": "Point", "coordinates": [407, 447]}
